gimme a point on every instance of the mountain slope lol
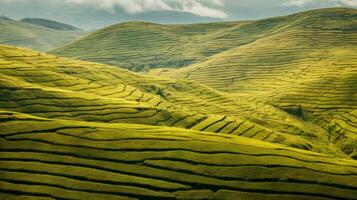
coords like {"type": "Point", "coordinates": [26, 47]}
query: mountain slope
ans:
{"type": "Point", "coordinates": [46, 86]}
{"type": "Point", "coordinates": [59, 159]}
{"type": "Point", "coordinates": [50, 24]}
{"type": "Point", "coordinates": [39, 37]}
{"type": "Point", "coordinates": [77, 130]}
{"type": "Point", "coordinates": [143, 46]}
{"type": "Point", "coordinates": [287, 63]}
{"type": "Point", "coordinates": [307, 69]}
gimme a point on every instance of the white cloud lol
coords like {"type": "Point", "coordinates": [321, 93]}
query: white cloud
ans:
{"type": "Point", "coordinates": [204, 8]}
{"type": "Point", "coordinates": [303, 3]}
{"type": "Point", "coordinates": [197, 8]}
{"type": "Point", "coordinates": [296, 3]}
{"type": "Point", "coordinates": [349, 2]}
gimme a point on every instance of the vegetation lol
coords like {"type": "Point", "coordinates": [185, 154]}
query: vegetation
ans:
{"type": "Point", "coordinates": [60, 159]}
{"type": "Point", "coordinates": [36, 34]}
{"type": "Point", "coordinates": [307, 69]}
{"type": "Point", "coordinates": [50, 24]}
{"type": "Point", "coordinates": [51, 87]}
{"type": "Point", "coordinates": [289, 63]}
{"type": "Point", "coordinates": [142, 46]}
{"type": "Point", "coordinates": [249, 118]}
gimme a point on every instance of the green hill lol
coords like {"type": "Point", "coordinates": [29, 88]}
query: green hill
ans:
{"type": "Point", "coordinates": [285, 63]}
{"type": "Point", "coordinates": [142, 46]}
{"type": "Point", "coordinates": [307, 69]}
{"type": "Point", "coordinates": [77, 130]}
{"type": "Point", "coordinates": [243, 110]}
{"type": "Point", "coordinates": [52, 87]}
{"type": "Point", "coordinates": [50, 24]}
{"type": "Point", "coordinates": [36, 34]}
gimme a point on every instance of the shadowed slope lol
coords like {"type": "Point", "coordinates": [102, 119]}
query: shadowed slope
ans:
{"type": "Point", "coordinates": [59, 159]}
{"type": "Point", "coordinates": [35, 36]}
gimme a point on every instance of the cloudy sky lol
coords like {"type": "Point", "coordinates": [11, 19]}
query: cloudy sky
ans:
{"type": "Point", "coordinates": [91, 14]}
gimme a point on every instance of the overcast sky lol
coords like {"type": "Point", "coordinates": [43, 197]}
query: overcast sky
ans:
{"type": "Point", "coordinates": [91, 14]}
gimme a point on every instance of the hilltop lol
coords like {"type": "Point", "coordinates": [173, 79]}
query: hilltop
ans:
{"type": "Point", "coordinates": [79, 130]}
{"type": "Point", "coordinates": [143, 46]}
{"type": "Point", "coordinates": [37, 34]}
{"type": "Point", "coordinates": [50, 24]}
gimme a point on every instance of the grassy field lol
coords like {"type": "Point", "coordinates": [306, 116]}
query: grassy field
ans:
{"type": "Point", "coordinates": [29, 33]}
{"type": "Point", "coordinates": [257, 110]}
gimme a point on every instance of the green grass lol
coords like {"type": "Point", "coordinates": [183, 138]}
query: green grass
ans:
{"type": "Point", "coordinates": [50, 24]}
{"type": "Point", "coordinates": [81, 160]}
{"type": "Point", "coordinates": [36, 36]}
{"type": "Point", "coordinates": [51, 87]}
{"type": "Point", "coordinates": [77, 130]}
{"type": "Point", "coordinates": [264, 120]}
{"type": "Point", "coordinates": [282, 64]}
{"type": "Point", "coordinates": [308, 64]}
{"type": "Point", "coordinates": [143, 46]}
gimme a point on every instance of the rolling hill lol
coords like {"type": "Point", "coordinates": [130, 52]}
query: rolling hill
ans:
{"type": "Point", "coordinates": [143, 46]}
{"type": "Point", "coordinates": [38, 34]}
{"type": "Point", "coordinates": [307, 69]}
{"type": "Point", "coordinates": [77, 130]}
{"type": "Point", "coordinates": [261, 109]}
{"type": "Point", "coordinates": [285, 63]}
{"type": "Point", "coordinates": [51, 87]}
{"type": "Point", "coordinates": [50, 24]}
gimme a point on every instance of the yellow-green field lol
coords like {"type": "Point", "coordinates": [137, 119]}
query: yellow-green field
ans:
{"type": "Point", "coordinates": [31, 35]}
{"type": "Point", "coordinates": [62, 159]}
{"type": "Point", "coordinates": [257, 110]}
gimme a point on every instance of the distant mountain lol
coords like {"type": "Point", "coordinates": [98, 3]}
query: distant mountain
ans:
{"type": "Point", "coordinates": [44, 37]}
{"type": "Point", "coordinates": [50, 24]}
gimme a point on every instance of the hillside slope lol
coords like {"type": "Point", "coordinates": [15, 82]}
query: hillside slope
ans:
{"type": "Point", "coordinates": [143, 46]}
{"type": "Point", "coordinates": [59, 159]}
{"type": "Point", "coordinates": [39, 37]}
{"type": "Point", "coordinates": [50, 24]}
{"type": "Point", "coordinates": [77, 130]}
{"type": "Point", "coordinates": [51, 87]}
{"type": "Point", "coordinates": [307, 68]}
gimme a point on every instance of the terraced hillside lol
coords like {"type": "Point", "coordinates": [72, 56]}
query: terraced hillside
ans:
{"type": "Point", "coordinates": [35, 36]}
{"type": "Point", "coordinates": [308, 69]}
{"type": "Point", "coordinates": [287, 63]}
{"type": "Point", "coordinates": [258, 120]}
{"type": "Point", "coordinates": [46, 86]}
{"type": "Point", "coordinates": [143, 46]}
{"type": "Point", "coordinates": [58, 159]}
{"type": "Point", "coordinates": [79, 130]}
